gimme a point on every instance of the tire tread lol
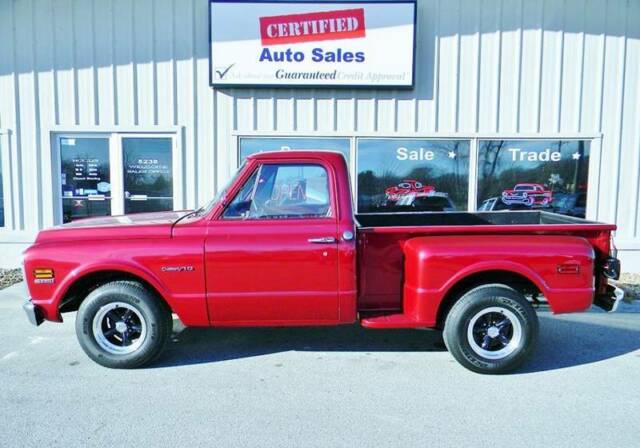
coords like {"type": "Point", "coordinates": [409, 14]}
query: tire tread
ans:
{"type": "Point", "coordinates": [160, 316]}
{"type": "Point", "coordinates": [455, 337]}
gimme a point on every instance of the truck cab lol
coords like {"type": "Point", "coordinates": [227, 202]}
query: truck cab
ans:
{"type": "Point", "coordinates": [280, 244]}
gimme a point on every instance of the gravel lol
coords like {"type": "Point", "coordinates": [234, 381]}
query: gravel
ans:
{"type": "Point", "coordinates": [630, 283]}
{"type": "Point", "coordinates": [9, 277]}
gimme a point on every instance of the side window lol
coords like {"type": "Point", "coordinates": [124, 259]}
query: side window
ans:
{"type": "Point", "coordinates": [281, 192]}
{"type": "Point", "coordinates": [241, 204]}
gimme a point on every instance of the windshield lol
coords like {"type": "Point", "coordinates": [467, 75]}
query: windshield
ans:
{"type": "Point", "coordinates": [207, 208]}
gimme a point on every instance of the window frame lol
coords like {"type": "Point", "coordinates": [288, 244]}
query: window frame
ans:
{"type": "Point", "coordinates": [595, 140]}
{"type": "Point", "coordinates": [116, 166]}
{"type": "Point", "coordinates": [331, 185]}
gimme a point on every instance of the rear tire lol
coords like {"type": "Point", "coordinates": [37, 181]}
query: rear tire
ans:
{"type": "Point", "coordinates": [123, 325]}
{"type": "Point", "coordinates": [491, 329]}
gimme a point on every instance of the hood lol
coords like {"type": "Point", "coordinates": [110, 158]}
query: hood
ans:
{"type": "Point", "coordinates": [137, 219]}
{"type": "Point", "coordinates": [139, 225]}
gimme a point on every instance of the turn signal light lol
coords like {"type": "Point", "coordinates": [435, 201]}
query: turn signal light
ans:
{"type": "Point", "coordinates": [43, 274]}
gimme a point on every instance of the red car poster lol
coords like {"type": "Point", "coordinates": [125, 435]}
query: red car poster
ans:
{"type": "Point", "coordinates": [527, 194]}
{"type": "Point", "coordinates": [549, 175]}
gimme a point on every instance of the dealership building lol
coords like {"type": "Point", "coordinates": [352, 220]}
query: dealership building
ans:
{"type": "Point", "coordinates": [122, 106]}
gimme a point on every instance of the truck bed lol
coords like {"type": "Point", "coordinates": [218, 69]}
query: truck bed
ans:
{"type": "Point", "coordinates": [382, 237]}
{"type": "Point", "coordinates": [475, 222]}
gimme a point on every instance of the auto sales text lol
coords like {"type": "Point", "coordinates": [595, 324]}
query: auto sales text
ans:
{"type": "Point", "coordinates": [317, 55]}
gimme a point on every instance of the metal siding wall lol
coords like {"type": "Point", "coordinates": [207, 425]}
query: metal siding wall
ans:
{"type": "Point", "coordinates": [483, 67]}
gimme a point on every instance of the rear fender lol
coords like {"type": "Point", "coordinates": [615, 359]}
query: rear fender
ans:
{"type": "Point", "coordinates": [435, 265]}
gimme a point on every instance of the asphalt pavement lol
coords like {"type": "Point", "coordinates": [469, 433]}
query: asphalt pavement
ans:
{"type": "Point", "coordinates": [325, 387]}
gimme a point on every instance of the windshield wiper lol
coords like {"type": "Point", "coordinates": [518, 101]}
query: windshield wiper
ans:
{"type": "Point", "coordinates": [192, 213]}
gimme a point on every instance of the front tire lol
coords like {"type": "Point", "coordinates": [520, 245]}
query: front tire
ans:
{"type": "Point", "coordinates": [123, 325]}
{"type": "Point", "coordinates": [491, 329]}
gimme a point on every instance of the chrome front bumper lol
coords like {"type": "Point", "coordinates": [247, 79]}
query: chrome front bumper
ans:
{"type": "Point", "coordinates": [33, 313]}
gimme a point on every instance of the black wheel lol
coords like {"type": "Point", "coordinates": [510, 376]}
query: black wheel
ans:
{"type": "Point", "coordinates": [491, 329]}
{"type": "Point", "coordinates": [123, 325]}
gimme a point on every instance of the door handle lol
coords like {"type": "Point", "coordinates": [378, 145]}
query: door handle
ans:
{"type": "Point", "coordinates": [322, 240]}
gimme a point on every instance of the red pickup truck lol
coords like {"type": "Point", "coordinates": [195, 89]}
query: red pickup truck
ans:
{"type": "Point", "coordinates": [280, 246]}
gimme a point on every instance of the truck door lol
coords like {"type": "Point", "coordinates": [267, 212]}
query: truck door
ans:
{"type": "Point", "coordinates": [272, 256]}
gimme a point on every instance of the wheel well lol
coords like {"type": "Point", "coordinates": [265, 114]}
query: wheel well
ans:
{"type": "Point", "coordinates": [516, 281]}
{"type": "Point", "coordinates": [82, 287]}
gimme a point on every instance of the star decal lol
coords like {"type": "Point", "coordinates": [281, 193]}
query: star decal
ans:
{"type": "Point", "coordinates": [575, 155]}
{"type": "Point", "coordinates": [452, 154]}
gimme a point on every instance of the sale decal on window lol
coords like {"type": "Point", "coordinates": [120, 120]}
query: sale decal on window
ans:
{"type": "Point", "coordinates": [405, 175]}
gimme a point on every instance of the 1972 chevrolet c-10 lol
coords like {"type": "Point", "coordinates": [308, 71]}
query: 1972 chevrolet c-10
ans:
{"type": "Point", "coordinates": [280, 246]}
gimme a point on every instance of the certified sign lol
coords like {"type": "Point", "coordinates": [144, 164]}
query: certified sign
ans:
{"type": "Point", "coordinates": [288, 44]}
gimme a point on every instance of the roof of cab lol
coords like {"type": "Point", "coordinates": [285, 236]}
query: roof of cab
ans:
{"type": "Point", "coordinates": [298, 154]}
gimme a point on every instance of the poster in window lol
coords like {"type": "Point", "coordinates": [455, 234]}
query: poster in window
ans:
{"type": "Point", "coordinates": [398, 175]}
{"type": "Point", "coordinates": [148, 174]}
{"type": "Point", "coordinates": [549, 175]}
{"type": "Point", "coordinates": [84, 178]}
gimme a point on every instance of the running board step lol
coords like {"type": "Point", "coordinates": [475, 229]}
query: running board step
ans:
{"type": "Point", "coordinates": [391, 321]}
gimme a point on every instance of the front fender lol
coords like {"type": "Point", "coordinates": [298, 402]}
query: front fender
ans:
{"type": "Point", "coordinates": [153, 261]}
{"type": "Point", "coordinates": [124, 266]}
{"type": "Point", "coordinates": [66, 274]}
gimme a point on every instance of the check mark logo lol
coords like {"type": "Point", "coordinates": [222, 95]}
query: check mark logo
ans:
{"type": "Point", "coordinates": [222, 73]}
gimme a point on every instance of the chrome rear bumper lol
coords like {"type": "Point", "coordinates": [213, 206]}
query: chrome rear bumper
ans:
{"type": "Point", "coordinates": [619, 294]}
{"type": "Point", "coordinates": [610, 301]}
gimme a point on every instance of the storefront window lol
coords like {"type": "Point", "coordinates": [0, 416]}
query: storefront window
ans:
{"type": "Point", "coordinates": [546, 175]}
{"type": "Point", "coordinates": [85, 178]}
{"type": "Point", "coordinates": [398, 175]}
{"type": "Point", "coordinates": [148, 174]}
{"type": "Point", "coordinates": [252, 145]}
{"type": "Point", "coordinates": [91, 185]}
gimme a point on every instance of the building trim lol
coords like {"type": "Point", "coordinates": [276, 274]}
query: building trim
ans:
{"type": "Point", "coordinates": [421, 135]}
{"type": "Point", "coordinates": [7, 179]}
